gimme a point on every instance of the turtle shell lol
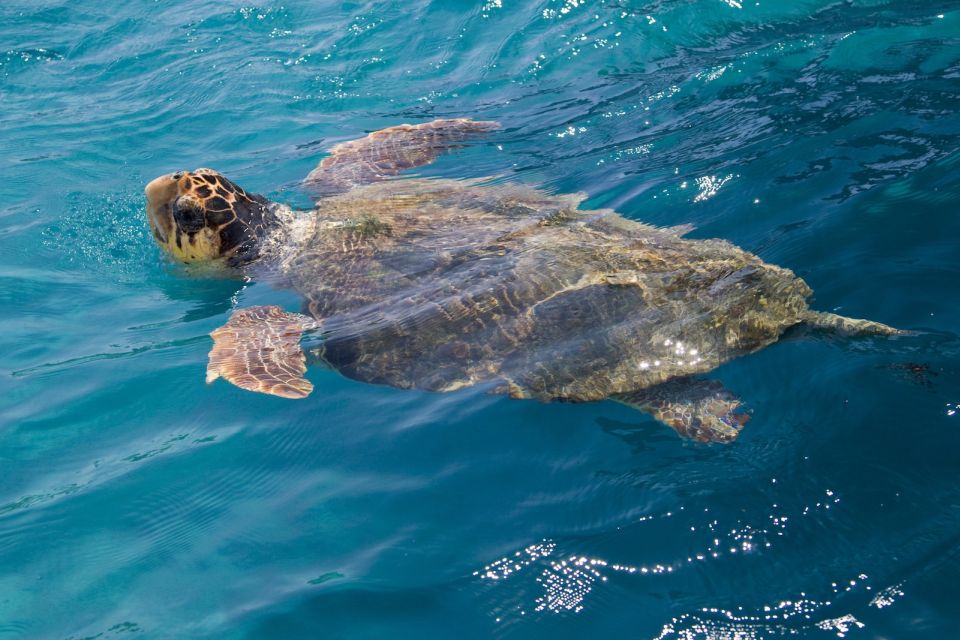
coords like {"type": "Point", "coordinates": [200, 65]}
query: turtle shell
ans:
{"type": "Point", "coordinates": [440, 284]}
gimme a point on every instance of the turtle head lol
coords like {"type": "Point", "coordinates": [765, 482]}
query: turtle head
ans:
{"type": "Point", "coordinates": [199, 216]}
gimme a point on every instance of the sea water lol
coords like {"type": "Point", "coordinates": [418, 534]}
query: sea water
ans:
{"type": "Point", "coordinates": [136, 501]}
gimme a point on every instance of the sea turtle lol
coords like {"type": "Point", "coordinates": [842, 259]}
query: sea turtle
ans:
{"type": "Point", "coordinates": [439, 284]}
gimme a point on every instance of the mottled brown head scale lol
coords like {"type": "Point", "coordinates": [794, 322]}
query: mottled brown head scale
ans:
{"type": "Point", "coordinates": [200, 215]}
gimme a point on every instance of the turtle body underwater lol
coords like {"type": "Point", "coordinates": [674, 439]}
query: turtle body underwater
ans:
{"type": "Point", "coordinates": [439, 284]}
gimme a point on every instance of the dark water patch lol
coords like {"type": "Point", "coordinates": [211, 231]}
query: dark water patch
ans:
{"type": "Point", "coordinates": [22, 58]}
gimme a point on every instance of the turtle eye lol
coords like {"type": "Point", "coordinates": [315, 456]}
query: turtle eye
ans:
{"type": "Point", "coordinates": [188, 215]}
{"type": "Point", "coordinates": [178, 175]}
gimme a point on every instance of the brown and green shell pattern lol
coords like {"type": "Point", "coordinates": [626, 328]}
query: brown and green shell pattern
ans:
{"type": "Point", "coordinates": [440, 284]}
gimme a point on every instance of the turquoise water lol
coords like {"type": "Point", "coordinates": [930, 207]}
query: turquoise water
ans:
{"type": "Point", "coordinates": [135, 499]}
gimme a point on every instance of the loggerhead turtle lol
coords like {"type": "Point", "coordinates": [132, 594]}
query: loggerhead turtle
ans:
{"type": "Point", "coordinates": [439, 284]}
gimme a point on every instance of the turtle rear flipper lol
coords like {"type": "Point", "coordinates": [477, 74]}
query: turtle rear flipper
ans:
{"type": "Point", "coordinates": [702, 410]}
{"type": "Point", "coordinates": [849, 326]}
{"type": "Point", "coordinates": [387, 152]}
{"type": "Point", "coordinates": [259, 350]}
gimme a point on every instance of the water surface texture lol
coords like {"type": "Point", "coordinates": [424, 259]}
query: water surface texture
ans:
{"type": "Point", "coordinates": [137, 501]}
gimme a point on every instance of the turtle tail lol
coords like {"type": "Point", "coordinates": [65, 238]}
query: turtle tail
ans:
{"type": "Point", "coordinates": [844, 326]}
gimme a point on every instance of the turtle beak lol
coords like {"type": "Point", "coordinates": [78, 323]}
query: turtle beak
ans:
{"type": "Point", "coordinates": [160, 193]}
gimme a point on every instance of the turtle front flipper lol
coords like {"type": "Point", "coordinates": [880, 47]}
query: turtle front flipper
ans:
{"type": "Point", "coordinates": [259, 350]}
{"type": "Point", "coordinates": [702, 410]}
{"type": "Point", "coordinates": [387, 152]}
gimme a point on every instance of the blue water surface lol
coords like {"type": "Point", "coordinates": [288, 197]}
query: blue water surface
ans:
{"type": "Point", "coordinates": [137, 501]}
